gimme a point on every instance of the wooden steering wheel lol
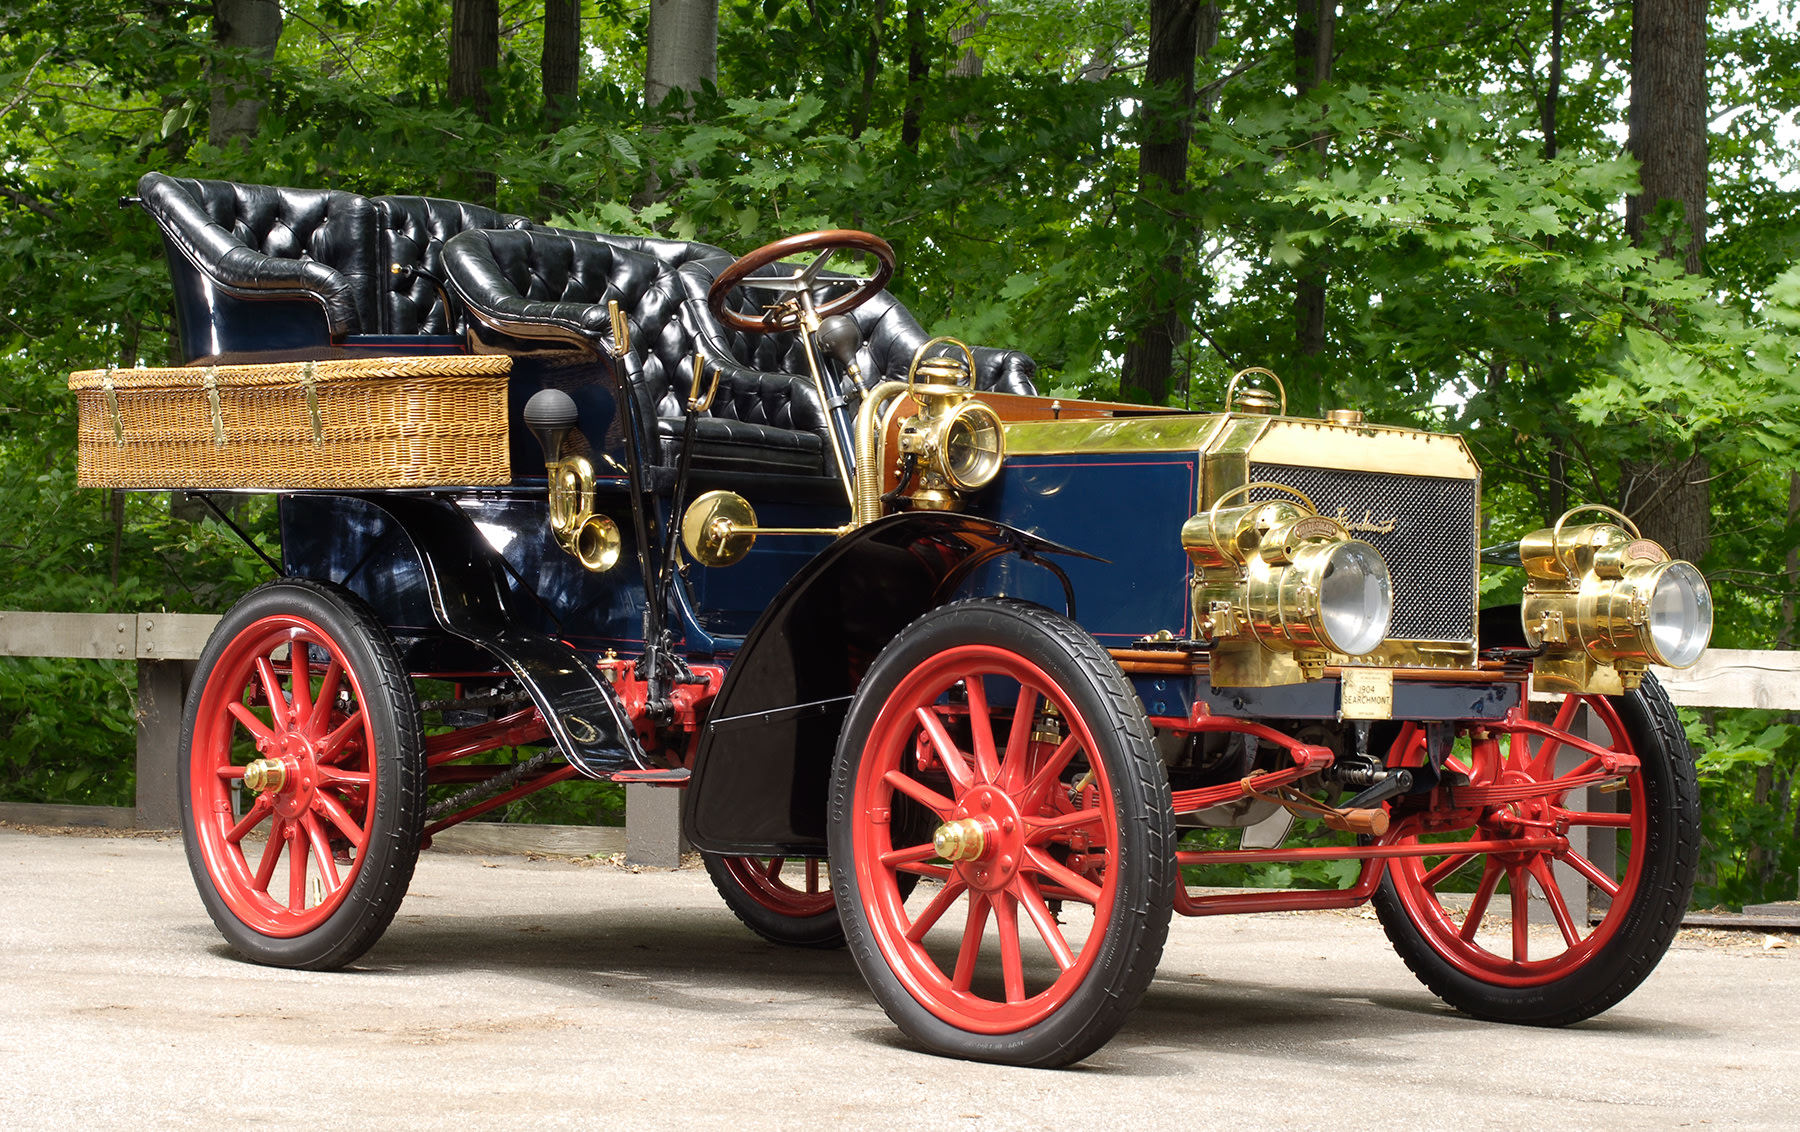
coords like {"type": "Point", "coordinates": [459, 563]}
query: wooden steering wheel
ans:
{"type": "Point", "coordinates": [828, 242]}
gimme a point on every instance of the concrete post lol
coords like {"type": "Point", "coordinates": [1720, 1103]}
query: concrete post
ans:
{"type": "Point", "coordinates": [1574, 886]}
{"type": "Point", "coordinates": [160, 691]}
{"type": "Point", "coordinates": [653, 826]}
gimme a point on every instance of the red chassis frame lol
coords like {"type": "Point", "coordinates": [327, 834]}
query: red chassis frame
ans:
{"type": "Point", "coordinates": [1445, 807]}
{"type": "Point", "coordinates": [444, 752]}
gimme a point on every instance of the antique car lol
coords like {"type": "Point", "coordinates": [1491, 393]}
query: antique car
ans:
{"type": "Point", "coordinates": [970, 679]}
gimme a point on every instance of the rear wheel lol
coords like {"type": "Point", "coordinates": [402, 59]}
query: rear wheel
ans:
{"type": "Point", "coordinates": [1046, 888]}
{"type": "Point", "coordinates": [302, 777]}
{"type": "Point", "coordinates": [1633, 838]}
{"type": "Point", "coordinates": [785, 900]}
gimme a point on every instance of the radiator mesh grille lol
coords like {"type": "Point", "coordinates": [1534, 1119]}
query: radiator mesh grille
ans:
{"type": "Point", "coordinates": [1430, 552]}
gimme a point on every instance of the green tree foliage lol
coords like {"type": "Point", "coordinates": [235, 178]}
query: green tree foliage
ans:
{"type": "Point", "coordinates": [1472, 282]}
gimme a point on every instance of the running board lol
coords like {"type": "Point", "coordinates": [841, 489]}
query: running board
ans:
{"type": "Point", "coordinates": [675, 777]}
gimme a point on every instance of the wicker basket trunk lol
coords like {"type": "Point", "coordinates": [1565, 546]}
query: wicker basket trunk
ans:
{"type": "Point", "coordinates": [358, 423]}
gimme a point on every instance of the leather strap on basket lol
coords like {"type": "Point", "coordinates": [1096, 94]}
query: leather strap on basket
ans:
{"type": "Point", "coordinates": [112, 406]}
{"type": "Point", "coordinates": [210, 380]}
{"type": "Point", "coordinates": [310, 383]}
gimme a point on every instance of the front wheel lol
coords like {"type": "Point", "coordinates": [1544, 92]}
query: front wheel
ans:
{"type": "Point", "coordinates": [302, 776]}
{"type": "Point", "coordinates": [1046, 882]}
{"type": "Point", "coordinates": [1464, 920]}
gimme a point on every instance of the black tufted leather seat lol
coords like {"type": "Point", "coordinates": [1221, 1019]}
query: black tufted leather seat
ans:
{"type": "Point", "coordinates": [263, 272]}
{"type": "Point", "coordinates": [257, 241]}
{"type": "Point", "coordinates": [890, 338]}
{"type": "Point", "coordinates": [890, 333]}
{"type": "Point", "coordinates": [411, 232]}
{"type": "Point", "coordinates": [536, 287]}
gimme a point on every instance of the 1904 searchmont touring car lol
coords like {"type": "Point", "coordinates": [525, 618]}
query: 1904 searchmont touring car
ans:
{"type": "Point", "coordinates": [946, 669]}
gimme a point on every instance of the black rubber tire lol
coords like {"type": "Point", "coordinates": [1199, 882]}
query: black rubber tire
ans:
{"type": "Point", "coordinates": [1138, 925]}
{"type": "Point", "coordinates": [1672, 853]}
{"type": "Point", "coordinates": [397, 826]}
{"type": "Point", "coordinates": [822, 931]}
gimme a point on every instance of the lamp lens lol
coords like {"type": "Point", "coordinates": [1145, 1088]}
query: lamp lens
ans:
{"type": "Point", "coordinates": [1681, 615]}
{"type": "Point", "coordinates": [972, 449]}
{"type": "Point", "coordinates": [1356, 598]}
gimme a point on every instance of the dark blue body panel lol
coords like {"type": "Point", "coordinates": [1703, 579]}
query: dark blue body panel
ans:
{"type": "Point", "coordinates": [1126, 509]}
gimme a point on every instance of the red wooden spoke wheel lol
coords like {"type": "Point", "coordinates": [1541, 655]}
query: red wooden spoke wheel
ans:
{"type": "Point", "coordinates": [1049, 843]}
{"type": "Point", "coordinates": [302, 782]}
{"type": "Point", "coordinates": [1463, 921]}
{"type": "Point", "coordinates": [783, 899]}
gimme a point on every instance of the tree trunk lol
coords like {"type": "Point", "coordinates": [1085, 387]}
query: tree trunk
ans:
{"type": "Point", "coordinates": [474, 56]}
{"type": "Point", "coordinates": [968, 64]}
{"type": "Point", "coordinates": [1180, 32]}
{"type": "Point", "coordinates": [1553, 92]}
{"type": "Point", "coordinates": [1667, 134]}
{"type": "Point", "coordinates": [1667, 127]}
{"type": "Point", "coordinates": [871, 70]}
{"type": "Point", "coordinates": [1315, 28]}
{"type": "Point", "coordinates": [1671, 503]}
{"type": "Point", "coordinates": [561, 66]}
{"type": "Point", "coordinates": [561, 61]}
{"type": "Point", "coordinates": [683, 49]}
{"type": "Point", "coordinates": [1785, 639]}
{"type": "Point", "coordinates": [248, 29]}
{"type": "Point", "coordinates": [918, 68]}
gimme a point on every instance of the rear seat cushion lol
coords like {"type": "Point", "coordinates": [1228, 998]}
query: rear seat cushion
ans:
{"type": "Point", "coordinates": [411, 232]}
{"type": "Point", "coordinates": [264, 241]}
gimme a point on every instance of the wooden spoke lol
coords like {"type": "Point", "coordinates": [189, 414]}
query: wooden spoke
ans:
{"type": "Point", "coordinates": [934, 911]}
{"type": "Point", "coordinates": [920, 793]}
{"type": "Point", "coordinates": [981, 730]}
{"type": "Point", "coordinates": [948, 753]}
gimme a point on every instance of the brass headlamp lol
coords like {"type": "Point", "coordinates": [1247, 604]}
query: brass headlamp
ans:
{"type": "Point", "coordinates": [1282, 588]}
{"type": "Point", "coordinates": [958, 440]}
{"type": "Point", "coordinates": [1605, 603]}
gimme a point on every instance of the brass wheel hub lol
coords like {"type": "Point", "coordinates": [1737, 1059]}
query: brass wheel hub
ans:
{"type": "Point", "coordinates": [986, 841]}
{"type": "Point", "coordinates": [961, 840]}
{"type": "Point", "coordinates": [287, 772]}
{"type": "Point", "coordinates": [265, 774]}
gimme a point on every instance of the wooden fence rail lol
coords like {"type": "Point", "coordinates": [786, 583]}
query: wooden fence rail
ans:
{"type": "Point", "coordinates": [165, 646]}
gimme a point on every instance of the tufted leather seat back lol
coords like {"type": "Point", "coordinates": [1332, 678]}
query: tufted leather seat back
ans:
{"type": "Point", "coordinates": [410, 234]}
{"type": "Point", "coordinates": [891, 335]}
{"type": "Point", "coordinates": [553, 285]}
{"type": "Point", "coordinates": [265, 240]}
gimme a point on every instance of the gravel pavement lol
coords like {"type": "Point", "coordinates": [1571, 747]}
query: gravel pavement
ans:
{"type": "Point", "coordinates": [544, 993]}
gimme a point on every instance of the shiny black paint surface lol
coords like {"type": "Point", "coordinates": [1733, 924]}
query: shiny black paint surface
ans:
{"type": "Point", "coordinates": [213, 325]}
{"type": "Point", "coordinates": [761, 774]}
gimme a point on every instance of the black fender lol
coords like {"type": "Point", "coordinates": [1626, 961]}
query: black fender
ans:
{"type": "Point", "coordinates": [762, 770]}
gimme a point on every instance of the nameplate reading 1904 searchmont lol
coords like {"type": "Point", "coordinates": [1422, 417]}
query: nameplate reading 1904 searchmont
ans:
{"type": "Point", "coordinates": [1367, 693]}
